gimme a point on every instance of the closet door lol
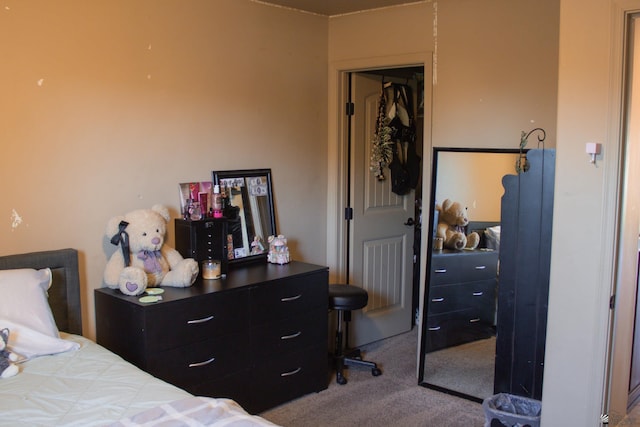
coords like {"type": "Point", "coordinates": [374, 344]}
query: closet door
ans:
{"type": "Point", "coordinates": [523, 284]}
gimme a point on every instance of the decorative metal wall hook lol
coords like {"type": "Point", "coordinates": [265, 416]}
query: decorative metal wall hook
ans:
{"type": "Point", "coordinates": [541, 137]}
{"type": "Point", "coordinates": [522, 165]}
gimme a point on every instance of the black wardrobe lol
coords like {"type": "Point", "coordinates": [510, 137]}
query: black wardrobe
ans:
{"type": "Point", "coordinates": [523, 291]}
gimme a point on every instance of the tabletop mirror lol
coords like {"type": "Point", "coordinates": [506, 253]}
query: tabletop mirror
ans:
{"type": "Point", "coordinates": [250, 212]}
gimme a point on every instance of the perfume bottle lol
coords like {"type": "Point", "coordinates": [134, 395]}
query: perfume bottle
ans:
{"type": "Point", "coordinates": [216, 201]}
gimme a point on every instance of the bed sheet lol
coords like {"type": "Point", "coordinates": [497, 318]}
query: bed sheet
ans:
{"type": "Point", "coordinates": [88, 387]}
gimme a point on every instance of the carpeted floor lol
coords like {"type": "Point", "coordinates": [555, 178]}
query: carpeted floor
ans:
{"type": "Point", "coordinates": [394, 398]}
{"type": "Point", "coordinates": [466, 368]}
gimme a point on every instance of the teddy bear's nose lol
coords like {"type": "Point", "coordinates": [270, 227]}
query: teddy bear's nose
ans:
{"type": "Point", "coordinates": [155, 240]}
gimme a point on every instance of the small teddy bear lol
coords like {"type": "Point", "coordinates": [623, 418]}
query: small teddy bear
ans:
{"type": "Point", "coordinates": [8, 368]}
{"type": "Point", "coordinates": [452, 219]}
{"type": "Point", "coordinates": [142, 259]}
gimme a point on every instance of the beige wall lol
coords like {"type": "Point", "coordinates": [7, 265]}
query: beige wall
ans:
{"type": "Point", "coordinates": [107, 105]}
{"type": "Point", "coordinates": [475, 181]}
{"type": "Point", "coordinates": [496, 72]}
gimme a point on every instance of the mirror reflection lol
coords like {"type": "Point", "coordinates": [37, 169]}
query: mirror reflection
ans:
{"type": "Point", "coordinates": [457, 350]}
{"type": "Point", "coordinates": [248, 205]}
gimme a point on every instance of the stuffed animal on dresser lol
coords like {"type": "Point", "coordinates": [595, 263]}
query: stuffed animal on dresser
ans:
{"type": "Point", "coordinates": [8, 368]}
{"type": "Point", "coordinates": [143, 259]}
{"type": "Point", "coordinates": [452, 220]}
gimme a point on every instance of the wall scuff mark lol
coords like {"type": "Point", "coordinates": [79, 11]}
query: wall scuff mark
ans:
{"type": "Point", "coordinates": [16, 219]}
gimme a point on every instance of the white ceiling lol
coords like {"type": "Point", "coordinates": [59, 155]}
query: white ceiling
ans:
{"type": "Point", "coordinates": [337, 7]}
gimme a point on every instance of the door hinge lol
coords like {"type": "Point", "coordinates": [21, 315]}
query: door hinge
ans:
{"type": "Point", "coordinates": [612, 302]}
{"type": "Point", "coordinates": [349, 108]}
{"type": "Point", "coordinates": [348, 214]}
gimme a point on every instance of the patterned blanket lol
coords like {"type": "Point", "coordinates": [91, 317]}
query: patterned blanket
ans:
{"type": "Point", "coordinates": [195, 411]}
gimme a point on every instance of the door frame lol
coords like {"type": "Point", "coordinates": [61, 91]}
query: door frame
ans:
{"type": "Point", "coordinates": [621, 319]}
{"type": "Point", "coordinates": [338, 159]}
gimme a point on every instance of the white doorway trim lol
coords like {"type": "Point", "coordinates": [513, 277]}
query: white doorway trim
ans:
{"type": "Point", "coordinates": [337, 152]}
{"type": "Point", "coordinates": [624, 260]}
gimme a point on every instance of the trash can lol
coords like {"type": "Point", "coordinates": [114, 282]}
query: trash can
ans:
{"type": "Point", "coordinates": [507, 410]}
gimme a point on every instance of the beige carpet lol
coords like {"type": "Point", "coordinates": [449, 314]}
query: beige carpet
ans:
{"type": "Point", "coordinates": [392, 399]}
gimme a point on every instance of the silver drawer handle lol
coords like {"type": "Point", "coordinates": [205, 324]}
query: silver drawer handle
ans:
{"type": "Point", "coordinates": [437, 299]}
{"type": "Point", "coordinates": [287, 374]}
{"type": "Point", "coordinates": [480, 267]}
{"type": "Point", "coordinates": [204, 319]}
{"type": "Point", "coordinates": [288, 337]}
{"type": "Point", "coordinates": [434, 328]}
{"type": "Point", "coordinates": [474, 320]}
{"type": "Point", "coordinates": [478, 294]}
{"type": "Point", "coordinates": [206, 362]}
{"type": "Point", "coordinates": [440, 270]}
{"type": "Point", "coordinates": [287, 299]}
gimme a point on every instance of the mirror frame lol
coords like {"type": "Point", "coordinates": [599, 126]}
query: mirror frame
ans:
{"type": "Point", "coordinates": [249, 173]}
{"type": "Point", "coordinates": [424, 308]}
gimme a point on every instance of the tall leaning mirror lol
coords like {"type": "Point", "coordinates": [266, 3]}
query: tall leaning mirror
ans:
{"type": "Point", "coordinates": [250, 211]}
{"type": "Point", "coordinates": [457, 346]}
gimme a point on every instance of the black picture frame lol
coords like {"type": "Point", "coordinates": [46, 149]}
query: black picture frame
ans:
{"type": "Point", "coordinates": [250, 213]}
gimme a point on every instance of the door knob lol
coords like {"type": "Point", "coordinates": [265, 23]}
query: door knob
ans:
{"type": "Point", "coordinates": [410, 222]}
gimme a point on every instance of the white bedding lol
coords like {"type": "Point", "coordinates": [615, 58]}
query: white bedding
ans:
{"type": "Point", "coordinates": [87, 387]}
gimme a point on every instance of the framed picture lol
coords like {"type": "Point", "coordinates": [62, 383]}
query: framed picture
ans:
{"type": "Point", "coordinates": [196, 192]}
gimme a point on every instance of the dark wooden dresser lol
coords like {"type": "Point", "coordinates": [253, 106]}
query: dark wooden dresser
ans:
{"type": "Point", "coordinates": [462, 297]}
{"type": "Point", "coordinates": [258, 336]}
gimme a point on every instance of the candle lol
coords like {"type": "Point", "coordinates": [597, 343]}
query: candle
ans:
{"type": "Point", "coordinates": [211, 269]}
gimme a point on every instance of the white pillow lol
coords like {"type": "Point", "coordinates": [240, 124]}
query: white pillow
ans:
{"type": "Point", "coordinates": [29, 343]}
{"type": "Point", "coordinates": [23, 299]}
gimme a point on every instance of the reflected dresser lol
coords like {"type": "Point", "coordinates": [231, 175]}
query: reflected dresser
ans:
{"type": "Point", "coordinates": [462, 297]}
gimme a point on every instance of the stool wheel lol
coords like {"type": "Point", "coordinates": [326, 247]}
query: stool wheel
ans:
{"type": "Point", "coordinates": [376, 372]}
{"type": "Point", "coordinates": [340, 379]}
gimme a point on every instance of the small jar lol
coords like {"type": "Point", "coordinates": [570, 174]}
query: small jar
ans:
{"type": "Point", "coordinates": [211, 269]}
{"type": "Point", "coordinates": [437, 243]}
{"type": "Point", "coordinates": [196, 212]}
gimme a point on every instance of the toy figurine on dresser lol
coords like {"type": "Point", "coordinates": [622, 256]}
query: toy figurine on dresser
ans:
{"type": "Point", "coordinates": [278, 250]}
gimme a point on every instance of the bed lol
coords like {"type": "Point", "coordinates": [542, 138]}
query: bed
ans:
{"type": "Point", "coordinates": [66, 379]}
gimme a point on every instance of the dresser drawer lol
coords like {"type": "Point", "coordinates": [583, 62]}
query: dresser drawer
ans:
{"type": "Point", "coordinates": [233, 386]}
{"type": "Point", "coordinates": [188, 321]}
{"type": "Point", "coordinates": [464, 266]}
{"type": "Point", "coordinates": [455, 328]}
{"type": "Point", "coordinates": [478, 295]}
{"type": "Point", "coordinates": [280, 379]}
{"type": "Point", "coordinates": [200, 361]}
{"type": "Point", "coordinates": [290, 334]}
{"type": "Point", "coordinates": [288, 297]}
{"type": "Point", "coordinates": [480, 266]}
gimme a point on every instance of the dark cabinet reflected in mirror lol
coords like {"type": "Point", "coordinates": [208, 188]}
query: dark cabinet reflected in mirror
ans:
{"type": "Point", "coordinates": [457, 346]}
{"type": "Point", "coordinates": [248, 206]}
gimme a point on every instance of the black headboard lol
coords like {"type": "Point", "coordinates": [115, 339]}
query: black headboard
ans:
{"type": "Point", "coordinates": [64, 294]}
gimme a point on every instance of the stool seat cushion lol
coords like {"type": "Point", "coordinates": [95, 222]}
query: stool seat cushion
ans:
{"type": "Point", "coordinates": [346, 297]}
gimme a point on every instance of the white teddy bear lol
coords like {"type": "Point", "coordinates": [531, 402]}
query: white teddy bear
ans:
{"type": "Point", "coordinates": [142, 259]}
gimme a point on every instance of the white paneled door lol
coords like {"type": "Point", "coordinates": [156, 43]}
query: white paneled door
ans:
{"type": "Point", "coordinates": [381, 245]}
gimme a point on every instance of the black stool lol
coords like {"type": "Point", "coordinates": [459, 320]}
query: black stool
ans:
{"type": "Point", "coordinates": [343, 299]}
